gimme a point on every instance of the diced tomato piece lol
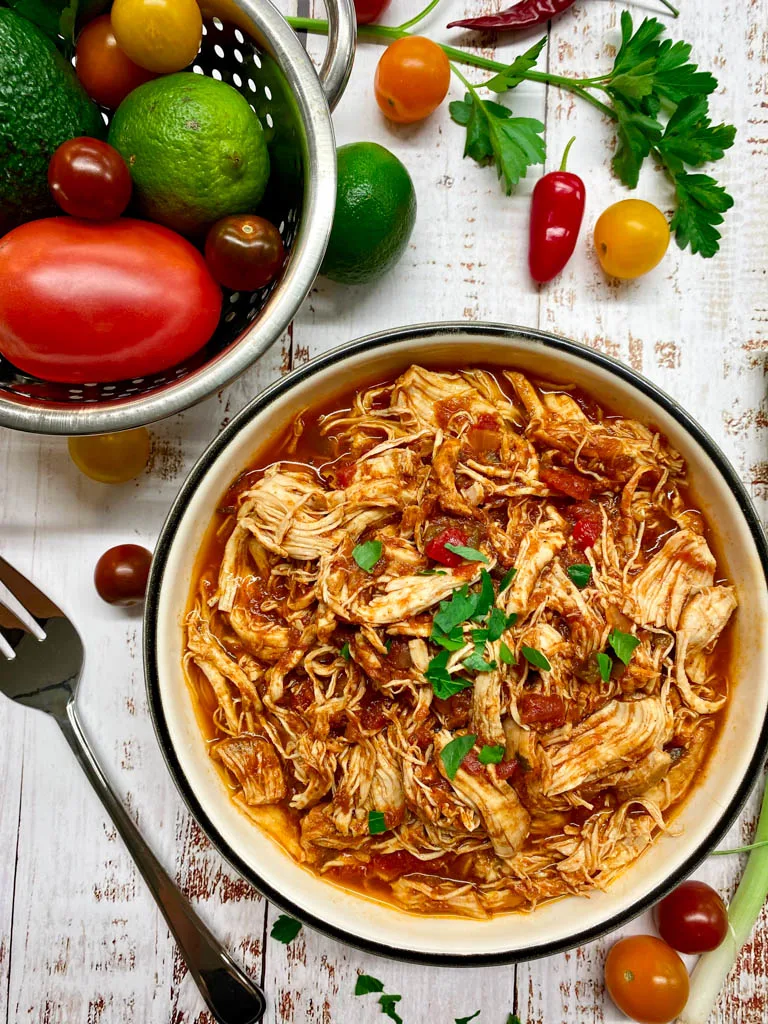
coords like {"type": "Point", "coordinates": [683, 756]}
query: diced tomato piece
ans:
{"type": "Point", "coordinates": [301, 696]}
{"type": "Point", "coordinates": [563, 480]}
{"type": "Point", "coordinates": [506, 769]}
{"type": "Point", "coordinates": [389, 866]}
{"type": "Point", "coordinates": [438, 552]}
{"type": "Point", "coordinates": [487, 421]}
{"type": "Point", "coordinates": [454, 710]}
{"type": "Point", "coordinates": [586, 532]}
{"type": "Point", "coordinates": [373, 713]}
{"type": "Point", "coordinates": [344, 474]}
{"type": "Point", "coordinates": [471, 764]}
{"type": "Point", "coordinates": [541, 708]}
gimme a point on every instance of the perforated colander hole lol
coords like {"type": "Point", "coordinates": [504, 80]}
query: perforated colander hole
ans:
{"type": "Point", "coordinates": [267, 92]}
{"type": "Point", "coordinates": [234, 297]}
{"type": "Point", "coordinates": [219, 24]}
{"type": "Point", "coordinates": [239, 36]}
{"type": "Point", "coordinates": [215, 73]}
{"type": "Point", "coordinates": [257, 60]}
{"type": "Point", "coordinates": [197, 69]}
{"type": "Point", "coordinates": [218, 50]}
{"type": "Point", "coordinates": [238, 56]}
{"type": "Point", "coordinates": [237, 79]}
{"type": "Point", "coordinates": [269, 121]}
{"type": "Point", "coordinates": [230, 316]}
{"type": "Point", "coordinates": [281, 229]}
{"type": "Point", "coordinates": [251, 85]}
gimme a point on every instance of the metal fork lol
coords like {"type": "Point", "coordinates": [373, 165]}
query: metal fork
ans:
{"type": "Point", "coordinates": [41, 668]}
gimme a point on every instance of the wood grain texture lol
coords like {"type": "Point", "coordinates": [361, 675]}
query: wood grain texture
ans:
{"type": "Point", "coordinates": [80, 939]}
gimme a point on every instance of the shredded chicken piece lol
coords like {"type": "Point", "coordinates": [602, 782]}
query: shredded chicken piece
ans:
{"type": "Point", "coordinates": [395, 639]}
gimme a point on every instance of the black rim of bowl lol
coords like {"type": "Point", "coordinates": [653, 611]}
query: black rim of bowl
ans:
{"type": "Point", "coordinates": [177, 511]}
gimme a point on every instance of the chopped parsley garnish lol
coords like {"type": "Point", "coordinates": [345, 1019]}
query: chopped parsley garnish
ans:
{"type": "Point", "coordinates": [604, 665]}
{"type": "Point", "coordinates": [443, 683]}
{"type": "Point", "coordinates": [345, 652]}
{"type": "Point", "coordinates": [513, 1019]}
{"type": "Point", "coordinates": [365, 984]}
{"type": "Point", "coordinates": [387, 1004]}
{"type": "Point", "coordinates": [285, 929]}
{"type": "Point", "coordinates": [451, 641]}
{"type": "Point", "coordinates": [486, 596]}
{"type": "Point", "coordinates": [506, 655]}
{"type": "Point", "coordinates": [580, 574]}
{"type": "Point", "coordinates": [506, 579]}
{"type": "Point", "coordinates": [623, 644]}
{"type": "Point", "coordinates": [469, 554]}
{"type": "Point", "coordinates": [535, 658]}
{"type": "Point", "coordinates": [477, 663]}
{"type": "Point", "coordinates": [466, 1020]}
{"type": "Point", "coordinates": [367, 555]}
{"type": "Point", "coordinates": [498, 622]}
{"type": "Point", "coordinates": [491, 755]}
{"type": "Point", "coordinates": [388, 645]}
{"type": "Point", "coordinates": [432, 572]}
{"type": "Point", "coordinates": [376, 823]}
{"type": "Point", "coordinates": [460, 607]}
{"type": "Point", "coordinates": [453, 753]}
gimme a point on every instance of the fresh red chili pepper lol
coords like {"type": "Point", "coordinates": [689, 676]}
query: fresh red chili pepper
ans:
{"type": "Point", "coordinates": [436, 549]}
{"type": "Point", "coordinates": [521, 15]}
{"type": "Point", "coordinates": [526, 14]}
{"type": "Point", "coordinates": [556, 213]}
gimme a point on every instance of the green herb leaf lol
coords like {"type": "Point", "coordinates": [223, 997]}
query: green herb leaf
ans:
{"type": "Point", "coordinates": [452, 641]}
{"type": "Point", "coordinates": [506, 655]}
{"type": "Point", "coordinates": [285, 929]}
{"type": "Point", "coordinates": [623, 644]}
{"type": "Point", "coordinates": [701, 203]}
{"type": "Point", "coordinates": [513, 1019]}
{"type": "Point", "coordinates": [376, 823]}
{"type": "Point", "coordinates": [604, 665]}
{"type": "Point", "coordinates": [443, 683]}
{"type": "Point", "coordinates": [690, 138]}
{"type": "Point", "coordinates": [388, 645]}
{"type": "Point", "coordinates": [453, 753]}
{"type": "Point", "coordinates": [466, 1020]}
{"type": "Point", "coordinates": [477, 663]}
{"type": "Point", "coordinates": [432, 572]}
{"type": "Point", "coordinates": [491, 755]}
{"type": "Point", "coordinates": [486, 596]}
{"type": "Point", "coordinates": [365, 984]}
{"type": "Point", "coordinates": [470, 554]}
{"type": "Point", "coordinates": [674, 79]}
{"type": "Point", "coordinates": [494, 136]}
{"type": "Point", "coordinates": [387, 1004]}
{"type": "Point", "coordinates": [345, 652]}
{"type": "Point", "coordinates": [637, 133]}
{"type": "Point", "coordinates": [460, 607]}
{"type": "Point", "coordinates": [367, 555]}
{"type": "Point", "coordinates": [536, 658]}
{"type": "Point", "coordinates": [511, 76]}
{"type": "Point", "coordinates": [498, 622]}
{"type": "Point", "coordinates": [506, 579]}
{"type": "Point", "coordinates": [580, 574]}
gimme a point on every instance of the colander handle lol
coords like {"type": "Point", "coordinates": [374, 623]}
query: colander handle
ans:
{"type": "Point", "coordinates": [340, 55]}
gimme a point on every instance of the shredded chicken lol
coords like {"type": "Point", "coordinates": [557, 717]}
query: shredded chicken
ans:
{"type": "Point", "coordinates": [461, 642]}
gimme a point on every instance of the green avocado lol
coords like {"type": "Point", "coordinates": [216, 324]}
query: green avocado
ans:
{"type": "Point", "coordinates": [42, 104]}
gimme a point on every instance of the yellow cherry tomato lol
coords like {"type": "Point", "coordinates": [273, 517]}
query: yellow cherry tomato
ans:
{"type": "Point", "coordinates": [111, 458]}
{"type": "Point", "coordinates": [159, 35]}
{"type": "Point", "coordinates": [631, 237]}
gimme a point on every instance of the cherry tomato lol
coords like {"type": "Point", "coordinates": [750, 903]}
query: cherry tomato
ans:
{"type": "Point", "coordinates": [244, 252]}
{"type": "Point", "coordinates": [111, 458]}
{"type": "Point", "coordinates": [412, 79]}
{"type": "Point", "coordinates": [106, 73]}
{"type": "Point", "coordinates": [646, 979]}
{"type": "Point", "coordinates": [121, 574]}
{"type": "Point", "coordinates": [631, 238]}
{"type": "Point", "coordinates": [370, 10]}
{"type": "Point", "coordinates": [159, 35]}
{"type": "Point", "coordinates": [693, 918]}
{"type": "Point", "coordinates": [127, 299]}
{"type": "Point", "coordinates": [89, 178]}
{"type": "Point", "coordinates": [436, 549]}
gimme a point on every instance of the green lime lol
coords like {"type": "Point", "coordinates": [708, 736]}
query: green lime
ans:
{"type": "Point", "coordinates": [375, 214]}
{"type": "Point", "coordinates": [195, 149]}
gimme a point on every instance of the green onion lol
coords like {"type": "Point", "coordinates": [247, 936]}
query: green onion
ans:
{"type": "Point", "coordinates": [713, 968]}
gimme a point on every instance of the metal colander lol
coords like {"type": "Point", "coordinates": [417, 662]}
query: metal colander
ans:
{"type": "Point", "coordinates": [248, 45]}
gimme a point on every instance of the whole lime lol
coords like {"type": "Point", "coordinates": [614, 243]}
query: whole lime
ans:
{"type": "Point", "coordinates": [375, 214]}
{"type": "Point", "coordinates": [195, 149]}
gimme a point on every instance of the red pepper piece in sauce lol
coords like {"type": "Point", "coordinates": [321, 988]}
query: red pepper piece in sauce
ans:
{"type": "Point", "coordinates": [567, 482]}
{"type": "Point", "coordinates": [586, 532]}
{"type": "Point", "coordinates": [541, 708]}
{"type": "Point", "coordinates": [436, 549]}
{"type": "Point", "coordinates": [524, 14]}
{"type": "Point", "coordinates": [557, 210]}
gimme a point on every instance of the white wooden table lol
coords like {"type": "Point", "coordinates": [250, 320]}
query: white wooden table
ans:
{"type": "Point", "coordinates": [81, 941]}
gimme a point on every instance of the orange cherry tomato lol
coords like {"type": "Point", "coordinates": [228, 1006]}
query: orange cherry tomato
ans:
{"type": "Point", "coordinates": [111, 458]}
{"type": "Point", "coordinates": [412, 79]}
{"type": "Point", "coordinates": [105, 72]}
{"type": "Point", "coordinates": [646, 979]}
{"type": "Point", "coordinates": [631, 238]}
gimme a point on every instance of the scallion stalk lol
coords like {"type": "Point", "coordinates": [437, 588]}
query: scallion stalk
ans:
{"type": "Point", "coordinates": [713, 968]}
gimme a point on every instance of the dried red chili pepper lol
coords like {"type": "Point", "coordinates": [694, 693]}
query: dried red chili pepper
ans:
{"type": "Point", "coordinates": [524, 14]}
{"type": "Point", "coordinates": [557, 210]}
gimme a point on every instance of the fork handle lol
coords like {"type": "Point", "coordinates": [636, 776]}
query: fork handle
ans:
{"type": "Point", "coordinates": [231, 996]}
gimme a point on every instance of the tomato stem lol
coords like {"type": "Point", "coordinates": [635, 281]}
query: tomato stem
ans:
{"type": "Point", "coordinates": [564, 161]}
{"type": "Point", "coordinates": [420, 16]}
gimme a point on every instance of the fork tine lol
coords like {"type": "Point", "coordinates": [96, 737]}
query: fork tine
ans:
{"type": "Point", "coordinates": [32, 600]}
{"type": "Point", "coordinates": [13, 630]}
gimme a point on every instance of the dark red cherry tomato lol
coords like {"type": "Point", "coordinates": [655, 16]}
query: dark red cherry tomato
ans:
{"type": "Point", "coordinates": [370, 10]}
{"type": "Point", "coordinates": [693, 918]}
{"type": "Point", "coordinates": [436, 549]}
{"type": "Point", "coordinates": [121, 574]}
{"type": "Point", "coordinates": [244, 252]}
{"type": "Point", "coordinates": [89, 178]}
{"type": "Point", "coordinates": [106, 73]}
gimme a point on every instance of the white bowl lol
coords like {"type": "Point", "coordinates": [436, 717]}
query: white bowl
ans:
{"type": "Point", "coordinates": [707, 813]}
